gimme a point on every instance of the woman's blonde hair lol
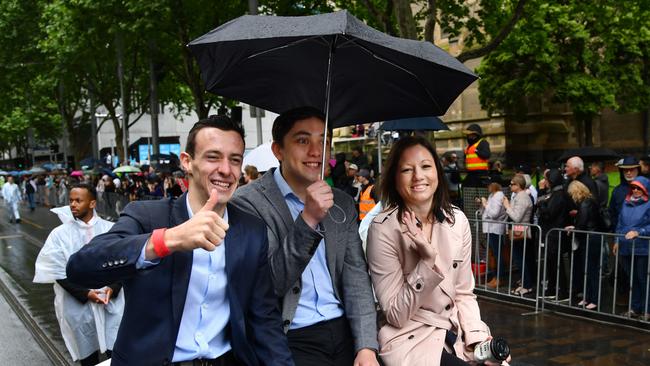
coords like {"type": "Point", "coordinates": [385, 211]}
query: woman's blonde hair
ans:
{"type": "Point", "coordinates": [578, 191]}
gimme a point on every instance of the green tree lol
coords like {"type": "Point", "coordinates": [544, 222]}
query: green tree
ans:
{"type": "Point", "coordinates": [591, 56]}
{"type": "Point", "coordinates": [23, 104]}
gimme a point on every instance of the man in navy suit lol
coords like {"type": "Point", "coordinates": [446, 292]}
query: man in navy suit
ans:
{"type": "Point", "coordinates": [194, 269]}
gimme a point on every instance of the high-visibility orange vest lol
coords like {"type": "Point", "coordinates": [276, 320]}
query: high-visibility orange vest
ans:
{"type": "Point", "coordinates": [473, 161]}
{"type": "Point", "coordinates": [366, 203]}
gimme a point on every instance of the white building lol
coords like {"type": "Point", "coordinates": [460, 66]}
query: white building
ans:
{"type": "Point", "coordinates": [174, 130]}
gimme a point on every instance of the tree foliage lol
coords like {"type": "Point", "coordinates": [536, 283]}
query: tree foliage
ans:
{"type": "Point", "coordinates": [591, 56]}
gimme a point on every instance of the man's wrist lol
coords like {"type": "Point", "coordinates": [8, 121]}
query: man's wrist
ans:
{"type": "Point", "coordinates": [313, 223]}
{"type": "Point", "coordinates": [368, 351]}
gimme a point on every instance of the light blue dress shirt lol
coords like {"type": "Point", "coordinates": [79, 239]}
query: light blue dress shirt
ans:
{"type": "Point", "coordinates": [207, 310]}
{"type": "Point", "coordinates": [317, 302]}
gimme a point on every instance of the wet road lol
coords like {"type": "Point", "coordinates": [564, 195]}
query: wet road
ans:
{"type": "Point", "coordinates": [19, 246]}
{"type": "Point", "coordinates": [542, 339]}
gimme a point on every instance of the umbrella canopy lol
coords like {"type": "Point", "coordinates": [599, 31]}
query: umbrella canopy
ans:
{"type": "Point", "coordinates": [261, 157]}
{"type": "Point", "coordinates": [36, 170]}
{"type": "Point", "coordinates": [126, 169]}
{"type": "Point", "coordinates": [414, 124]}
{"type": "Point", "coordinates": [77, 173]}
{"type": "Point", "coordinates": [331, 61]}
{"type": "Point", "coordinates": [590, 154]}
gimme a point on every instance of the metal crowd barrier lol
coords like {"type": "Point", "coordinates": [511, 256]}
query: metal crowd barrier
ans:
{"type": "Point", "coordinates": [607, 293]}
{"type": "Point", "coordinates": [111, 204]}
{"type": "Point", "coordinates": [561, 273]}
{"type": "Point", "coordinates": [481, 254]}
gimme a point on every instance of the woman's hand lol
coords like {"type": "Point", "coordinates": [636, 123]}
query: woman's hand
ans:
{"type": "Point", "coordinates": [470, 350]}
{"type": "Point", "coordinates": [484, 201]}
{"type": "Point", "coordinates": [428, 251]}
{"type": "Point", "coordinates": [569, 228]}
{"type": "Point", "coordinates": [506, 203]}
{"type": "Point", "coordinates": [615, 248]}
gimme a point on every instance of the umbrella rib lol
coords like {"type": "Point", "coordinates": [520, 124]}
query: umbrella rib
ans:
{"type": "Point", "coordinates": [290, 44]}
{"type": "Point", "coordinates": [399, 67]}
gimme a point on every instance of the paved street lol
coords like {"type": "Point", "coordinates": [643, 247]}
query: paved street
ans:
{"type": "Point", "coordinates": [18, 345]}
{"type": "Point", "coordinates": [543, 339]}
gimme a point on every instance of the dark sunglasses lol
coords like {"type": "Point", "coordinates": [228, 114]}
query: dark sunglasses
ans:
{"type": "Point", "coordinates": [636, 188]}
{"type": "Point", "coordinates": [512, 184]}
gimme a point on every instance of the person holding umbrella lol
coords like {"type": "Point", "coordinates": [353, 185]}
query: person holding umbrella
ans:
{"type": "Point", "coordinates": [317, 263]}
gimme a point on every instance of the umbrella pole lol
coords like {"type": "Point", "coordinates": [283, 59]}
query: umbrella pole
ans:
{"type": "Point", "coordinates": [328, 86]}
{"type": "Point", "coordinates": [378, 153]}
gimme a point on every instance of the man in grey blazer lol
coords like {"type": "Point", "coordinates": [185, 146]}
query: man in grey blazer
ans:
{"type": "Point", "coordinates": [317, 263]}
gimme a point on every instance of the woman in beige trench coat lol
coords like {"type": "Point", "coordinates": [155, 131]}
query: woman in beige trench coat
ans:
{"type": "Point", "coordinates": [419, 256]}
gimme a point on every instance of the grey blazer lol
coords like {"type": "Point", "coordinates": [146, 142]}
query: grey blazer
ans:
{"type": "Point", "coordinates": [293, 243]}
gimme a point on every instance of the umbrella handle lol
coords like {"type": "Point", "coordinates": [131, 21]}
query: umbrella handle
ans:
{"type": "Point", "coordinates": [329, 212]}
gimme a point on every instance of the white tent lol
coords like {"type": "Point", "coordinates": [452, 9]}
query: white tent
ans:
{"type": "Point", "coordinates": [261, 157]}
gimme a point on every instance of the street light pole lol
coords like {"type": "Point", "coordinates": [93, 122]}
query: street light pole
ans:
{"type": "Point", "coordinates": [120, 77]}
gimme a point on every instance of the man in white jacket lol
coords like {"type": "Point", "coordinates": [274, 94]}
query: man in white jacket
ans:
{"type": "Point", "coordinates": [89, 318]}
{"type": "Point", "coordinates": [11, 194]}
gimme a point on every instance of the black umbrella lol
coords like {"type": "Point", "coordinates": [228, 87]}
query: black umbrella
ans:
{"type": "Point", "coordinates": [331, 61]}
{"type": "Point", "coordinates": [590, 154]}
{"type": "Point", "coordinates": [279, 63]}
{"type": "Point", "coordinates": [414, 124]}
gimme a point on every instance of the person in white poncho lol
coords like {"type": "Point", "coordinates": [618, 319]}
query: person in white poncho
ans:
{"type": "Point", "coordinates": [11, 194]}
{"type": "Point", "coordinates": [89, 318]}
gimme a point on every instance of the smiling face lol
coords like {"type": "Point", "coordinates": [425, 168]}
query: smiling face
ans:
{"type": "Point", "coordinates": [216, 164]}
{"type": "Point", "coordinates": [417, 177]}
{"type": "Point", "coordinates": [301, 152]}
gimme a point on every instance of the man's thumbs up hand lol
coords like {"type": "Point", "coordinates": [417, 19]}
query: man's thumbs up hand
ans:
{"type": "Point", "coordinates": [206, 229]}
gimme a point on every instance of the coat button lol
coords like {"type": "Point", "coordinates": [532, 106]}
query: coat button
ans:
{"type": "Point", "coordinates": [447, 307]}
{"type": "Point", "coordinates": [455, 265]}
{"type": "Point", "coordinates": [418, 286]}
{"type": "Point", "coordinates": [411, 336]}
{"type": "Point", "coordinates": [296, 290]}
{"type": "Point", "coordinates": [286, 323]}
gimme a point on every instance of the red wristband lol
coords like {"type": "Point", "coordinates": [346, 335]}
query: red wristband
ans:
{"type": "Point", "coordinates": [158, 239]}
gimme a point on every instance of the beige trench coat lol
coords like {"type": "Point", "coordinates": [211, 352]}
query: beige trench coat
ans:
{"type": "Point", "coordinates": [421, 303]}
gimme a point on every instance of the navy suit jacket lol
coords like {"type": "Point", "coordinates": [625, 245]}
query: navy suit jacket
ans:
{"type": "Point", "coordinates": [155, 296]}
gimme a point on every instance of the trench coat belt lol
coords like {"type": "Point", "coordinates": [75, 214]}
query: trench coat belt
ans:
{"type": "Point", "coordinates": [433, 319]}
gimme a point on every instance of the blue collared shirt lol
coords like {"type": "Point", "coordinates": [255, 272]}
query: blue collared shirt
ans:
{"type": "Point", "coordinates": [202, 333]}
{"type": "Point", "coordinates": [317, 302]}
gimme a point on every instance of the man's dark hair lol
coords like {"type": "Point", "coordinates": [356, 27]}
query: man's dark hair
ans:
{"type": "Point", "coordinates": [222, 122]}
{"type": "Point", "coordinates": [285, 121]}
{"type": "Point", "coordinates": [90, 188]}
{"type": "Point", "coordinates": [358, 149]}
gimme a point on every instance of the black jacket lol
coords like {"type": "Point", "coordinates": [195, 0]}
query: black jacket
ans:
{"type": "Point", "coordinates": [587, 218]}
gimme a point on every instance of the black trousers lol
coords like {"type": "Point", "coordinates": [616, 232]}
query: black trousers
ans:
{"type": "Point", "coordinates": [447, 359]}
{"type": "Point", "coordinates": [326, 343]}
{"type": "Point", "coordinates": [93, 359]}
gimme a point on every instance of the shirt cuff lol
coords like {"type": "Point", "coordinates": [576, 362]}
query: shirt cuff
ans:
{"type": "Point", "coordinates": [142, 262]}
